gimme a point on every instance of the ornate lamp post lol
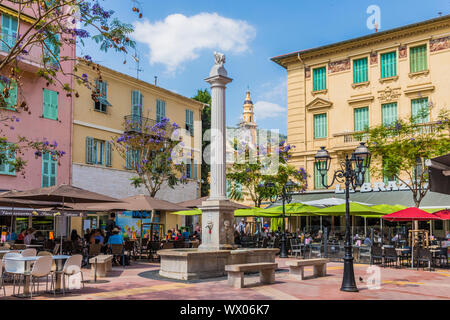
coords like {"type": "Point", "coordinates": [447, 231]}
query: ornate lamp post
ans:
{"type": "Point", "coordinates": [352, 172]}
{"type": "Point", "coordinates": [285, 197]}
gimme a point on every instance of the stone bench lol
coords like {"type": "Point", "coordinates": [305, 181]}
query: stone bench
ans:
{"type": "Point", "coordinates": [236, 272]}
{"type": "Point", "coordinates": [296, 267]}
{"type": "Point", "coordinates": [104, 264]}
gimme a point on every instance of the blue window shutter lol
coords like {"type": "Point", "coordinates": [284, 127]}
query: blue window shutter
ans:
{"type": "Point", "coordinates": [50, 104]}
{"type": "Point", "coordinates": [108, 154]}
{"type": "Point", "coordinates": [136, 104]}
{"type": "Point", "coordinates": [320, 79]}
{"type": "Point", "coordinates": [9, 32]}
{"type": "Point", "coordinates": [89, 150]}
{"type": "Point", "coordinates": [389, 64]}
{"type": "Point", "coordinates": [194, 170]}
{"type": "Point", "coordinates": [360, 71]}
{"type": "Point", "coordinates": [318, 179]}
{"type": "Point", "coordinates": [5, 166]}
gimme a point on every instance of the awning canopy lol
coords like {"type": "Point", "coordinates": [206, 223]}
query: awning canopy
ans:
{"type": "Point", "coordinates": [411, 214]}
{"type": "Point", "coordinates": [404, 198]}
{"type": "Point", "coordinates": [138, 203]}
{"type": "Point", "coordinates": [197, 203]}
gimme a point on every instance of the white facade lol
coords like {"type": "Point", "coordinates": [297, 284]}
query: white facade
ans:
{"type": "Point", "coordinates": [117, 184]}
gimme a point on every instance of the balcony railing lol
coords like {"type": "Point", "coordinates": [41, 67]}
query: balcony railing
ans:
{"type": "Point", "coordinates": [356, 137]}
{"type": "Point", "coordinates": [33, 58]}
{"type": "Point", "coordinates": [135, 123]}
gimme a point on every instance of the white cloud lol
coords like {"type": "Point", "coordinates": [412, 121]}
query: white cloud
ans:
{"type": "Point", "coordinates": [178, 38]}
{"type": "Point", "coordinates": [264, 110]}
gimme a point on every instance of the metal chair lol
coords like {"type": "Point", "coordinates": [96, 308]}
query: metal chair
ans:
{"type": "Point", "coordinates": [376, 254]}
{"type": "Point", "coordinates": [424, 255]}
{"type": "Point", "coordinates": [117, 250]}
{"type": "Point", "coordinates": [296, 247]}
{"type": "Point", "coordinates": [390, 256]}
{"type": "Point", "coordinates": [364, 253]}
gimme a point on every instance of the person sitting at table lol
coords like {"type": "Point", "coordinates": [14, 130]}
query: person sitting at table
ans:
{"type": "Point", "coordinates": [185, 235]}
{"type": "Point", "coordinates": [367, 241]}
{"type": "Point", "coordinates": [74, 236]}
{"type": "Point", "coordinates": [22, 235]}
{"type": "Point", "coordinates": [115, 238]}
{"type": "Point", "coordinates": [29, 236]}
{"type": "Point", "coordinates": [11, 236]}
{"type": "Point", "coordinates": [98, 237]}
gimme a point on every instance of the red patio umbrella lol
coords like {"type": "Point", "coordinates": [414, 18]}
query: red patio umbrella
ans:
{"type": "Point", "coordinates": [443, 214]}
{"type": "Point", "coordinates": [411, 214]}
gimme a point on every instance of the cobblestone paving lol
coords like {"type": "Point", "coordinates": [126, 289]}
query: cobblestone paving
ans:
{"type": "Point", "coordinates": [134, 283]}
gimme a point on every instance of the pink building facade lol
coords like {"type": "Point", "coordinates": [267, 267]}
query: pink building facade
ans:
{"type": "Point", "coordinates": [50, 117]}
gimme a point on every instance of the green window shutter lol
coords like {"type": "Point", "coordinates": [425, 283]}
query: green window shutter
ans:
{"type": "Point", "coordinates": [360, 71]}
{"type": "Point", "coordinates": [52, 48]}
{"type": "Point", "coordinates": [389, 113]}
{"type": "Point", "coordinates": [320, 79]}
{"type": "Point", "coordinates": [9, 32]}
{"type": "Point", "coordinates": [50, 104]}
{"type": "Point", "coordinates": [160, 110]}
{"type": "Point", "coordinates": [5, 166]}
{"type": "Point", "coordinates": [418, 59]}
{"type": "Point", "coordinates": [361, 119]}
{"type": "Point", "coordinates": [129, 159]}
{"type": "Point", "coordinates": [418, 108]}
{"type": "Point", "coordinates": [49, 164]}
{"type": "Point", "coordinates": [320, 126]}
{"type": "Point", "coordinates": [136, 104]}
{"type": "Point", "coordinates": [318, 179]}
{"type": "Point", "coordinates": [389, 64]}
{"type": "Point", "coordinates": [12, 100]}
{"type": "Point", "coordinates": [108, 154]}
{"type": "Point", "coordinates": [189, 118]}
{"type": "Point", "coordinates": [89, 150]}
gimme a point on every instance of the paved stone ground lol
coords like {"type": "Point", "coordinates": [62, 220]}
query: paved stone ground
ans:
{"type": "Point", "coordinates": [139, 282]}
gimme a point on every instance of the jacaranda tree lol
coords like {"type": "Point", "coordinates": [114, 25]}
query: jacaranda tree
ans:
{"type": "Point", "coordinates": [255, 168]}
{"type": "Point", "coordinates": [149, 150]}
{"type": "Point", "coordinates": [51, 25]}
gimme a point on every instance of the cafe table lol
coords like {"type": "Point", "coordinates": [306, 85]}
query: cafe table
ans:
{"type": "Point", "coordinates": [28, 262]}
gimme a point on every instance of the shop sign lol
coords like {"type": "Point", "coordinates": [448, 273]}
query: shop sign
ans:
{"type": "Point", "coordinates": [379, 187]}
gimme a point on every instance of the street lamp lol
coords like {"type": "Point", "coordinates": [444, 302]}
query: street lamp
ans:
{"type": "Point", "coordinates": [285, 197]}
{"type": "Point", "coordinates": [352, 172]}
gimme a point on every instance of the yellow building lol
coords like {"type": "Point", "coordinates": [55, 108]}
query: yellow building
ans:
{"type": "Point", "coordinates": [96, 165]}
{"type": "Point", "coordinates": [338, 89]}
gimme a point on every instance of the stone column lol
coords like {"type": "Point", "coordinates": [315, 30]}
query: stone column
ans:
{"type": "Point", "coordinates": [217, 213]}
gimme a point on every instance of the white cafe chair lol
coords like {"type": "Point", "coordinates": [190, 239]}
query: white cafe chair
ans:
{"type": "Point", "coordinates": [71, 267]}
{"type": "Point", "coordinates": [1, 278]}
{"type": "Point", "coordinates": [41, 268]}
{"type": "Point", "coordinates": [29, 252]}
{"type": "Point", "coordinates": [14, 268]}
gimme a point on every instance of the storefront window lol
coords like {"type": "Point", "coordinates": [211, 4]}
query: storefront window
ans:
{"type": "Point", "coordinates": [43, 225]}
{"type": "Point", "coordinates": [21, 223]}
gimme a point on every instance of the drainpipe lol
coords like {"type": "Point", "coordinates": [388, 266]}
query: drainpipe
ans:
{"type": "Point", "coordinates": [72, 105]}
{"type": "Point", "coordinates": [304, 97]}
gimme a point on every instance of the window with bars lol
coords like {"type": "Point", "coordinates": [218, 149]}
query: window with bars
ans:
{"type": "Point", "coordinates": [418, 59]}
{"type": "Point", "coordinates": [7, 156]}
{"type": "Point", "coordinates": [361, 119]}
{"type": "Point", "coordinates": [49, 165]}
{"type": "Point", "coordinates": [389, 113]}
{"type": "Point", "coordinates": [102, 101]}
{"type": "Point", "coordinates": [360, 70]}
{"type": "Point", "coordinates": [320, 78]}
{"type": "Point", "coordinates": [11, 101]}
{"type": "Point", "coordinates": [50, 104]}
{"type": "Point", "coordinates": [160, 110]}
{"type": "Point", "coordinates": [389, 64]}
{"type": "Point", "coordinates": [420, 110]}
{"type": "Point", "coordinates": [320, 126]}
{"type": "Point", "coordinates": [318, 179]}
{"type": "Point", "coordinates": [190, 121]}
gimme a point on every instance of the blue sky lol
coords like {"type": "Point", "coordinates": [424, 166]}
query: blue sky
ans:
{"type": "Point", "coordinates": [177, 38]}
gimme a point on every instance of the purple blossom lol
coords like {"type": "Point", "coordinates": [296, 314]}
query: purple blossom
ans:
{"type": "Point", "coordinates": [88, 57]}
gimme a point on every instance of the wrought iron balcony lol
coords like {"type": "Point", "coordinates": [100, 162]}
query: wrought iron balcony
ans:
{"type": "Point", "coordinates": [135, 123]}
